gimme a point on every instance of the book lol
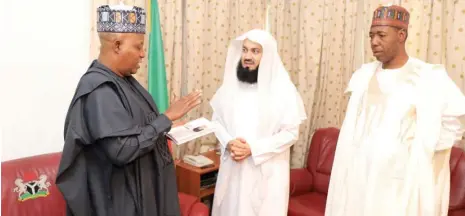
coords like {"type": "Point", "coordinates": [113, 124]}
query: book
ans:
{"type": "Point", "coordinates": [190, 131]}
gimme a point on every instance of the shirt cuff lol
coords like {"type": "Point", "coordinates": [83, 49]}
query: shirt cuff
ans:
{"type": "Point", "coordinates": [162, 124]}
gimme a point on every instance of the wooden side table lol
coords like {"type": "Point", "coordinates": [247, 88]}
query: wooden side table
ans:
{"type": "Point", "coordinates": [189, 178]}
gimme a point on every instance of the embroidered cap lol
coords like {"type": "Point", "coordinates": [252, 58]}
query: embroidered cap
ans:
{"type": "Point", "coordinates": [121, 19]}
{"type": "Point", "coordinates": [394, 15]}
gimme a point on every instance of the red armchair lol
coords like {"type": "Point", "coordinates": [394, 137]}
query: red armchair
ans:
{"type": "Point", "coordinates": [41, 196]}
{"type": "Point", "coordinates": [309, 186]}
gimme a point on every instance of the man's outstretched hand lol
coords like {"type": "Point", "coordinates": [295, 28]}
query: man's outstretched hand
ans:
{"type": "Point", "coordinates": [180, 107]}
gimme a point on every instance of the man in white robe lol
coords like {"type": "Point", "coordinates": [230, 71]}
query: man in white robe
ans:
{"type": "Point", "coordinates": [258, 110]}
{"type": "Point", "coordinates": [403, 117]}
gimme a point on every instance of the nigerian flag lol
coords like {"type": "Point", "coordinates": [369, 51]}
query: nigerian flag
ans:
{"type": "Point", "coordinates": [156, 62]}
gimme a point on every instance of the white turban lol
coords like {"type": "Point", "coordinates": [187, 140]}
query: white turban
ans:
{"type": "Point", "coordinates": [279, 101]}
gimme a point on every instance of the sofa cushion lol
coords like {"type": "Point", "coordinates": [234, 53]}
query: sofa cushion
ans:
{"type": "Point", "coordinates": [309, 204]}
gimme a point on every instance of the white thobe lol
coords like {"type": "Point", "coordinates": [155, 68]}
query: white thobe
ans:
{"type": "Point", "coordinates": [379, 168]}
{"type": "Point", "coordinates": [258, 185]}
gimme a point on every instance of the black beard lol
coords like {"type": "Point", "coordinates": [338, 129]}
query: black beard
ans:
{"type": "Point", "coordinates": [246, 75]}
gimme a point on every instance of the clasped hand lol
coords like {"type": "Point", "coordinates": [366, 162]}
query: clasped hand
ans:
{"type": "Point", "coordinates": [239, 149]}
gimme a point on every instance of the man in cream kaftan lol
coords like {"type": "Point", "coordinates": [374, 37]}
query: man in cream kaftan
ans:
{"type": "Point", "coordinates": [258, 110]}
{"type": "Point", "coordinates": [403, 117]}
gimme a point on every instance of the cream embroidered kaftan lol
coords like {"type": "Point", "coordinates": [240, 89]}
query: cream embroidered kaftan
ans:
{"type": "Point", "coordinates": [392, 156]}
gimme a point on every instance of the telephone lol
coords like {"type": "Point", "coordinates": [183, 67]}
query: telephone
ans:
{"type": "Point", "coordinates": [197, 161]}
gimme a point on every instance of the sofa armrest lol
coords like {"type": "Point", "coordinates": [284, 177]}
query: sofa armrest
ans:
{"type": "Point", "coordinates": [191, 206]}
{"type": "Point", "coordinates": [199, 209]}
{"type": "Point", "coordinates": [301, 182]}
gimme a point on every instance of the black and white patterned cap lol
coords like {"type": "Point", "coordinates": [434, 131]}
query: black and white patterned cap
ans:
{"type": "Point", "coordinates": [121, 19]}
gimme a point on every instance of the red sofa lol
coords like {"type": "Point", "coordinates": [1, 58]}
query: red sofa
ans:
{"type": "Point", "coordinates": [309, 186]}
{"type": "Point", "coordinates": [47, 199]}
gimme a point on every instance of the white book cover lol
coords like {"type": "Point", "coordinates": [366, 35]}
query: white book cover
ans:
{"type": "Point", "coordinates": [191, 130]}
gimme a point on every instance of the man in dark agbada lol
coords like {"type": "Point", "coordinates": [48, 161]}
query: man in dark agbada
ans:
{"type": "Point", "coordinates": [115, 159]}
